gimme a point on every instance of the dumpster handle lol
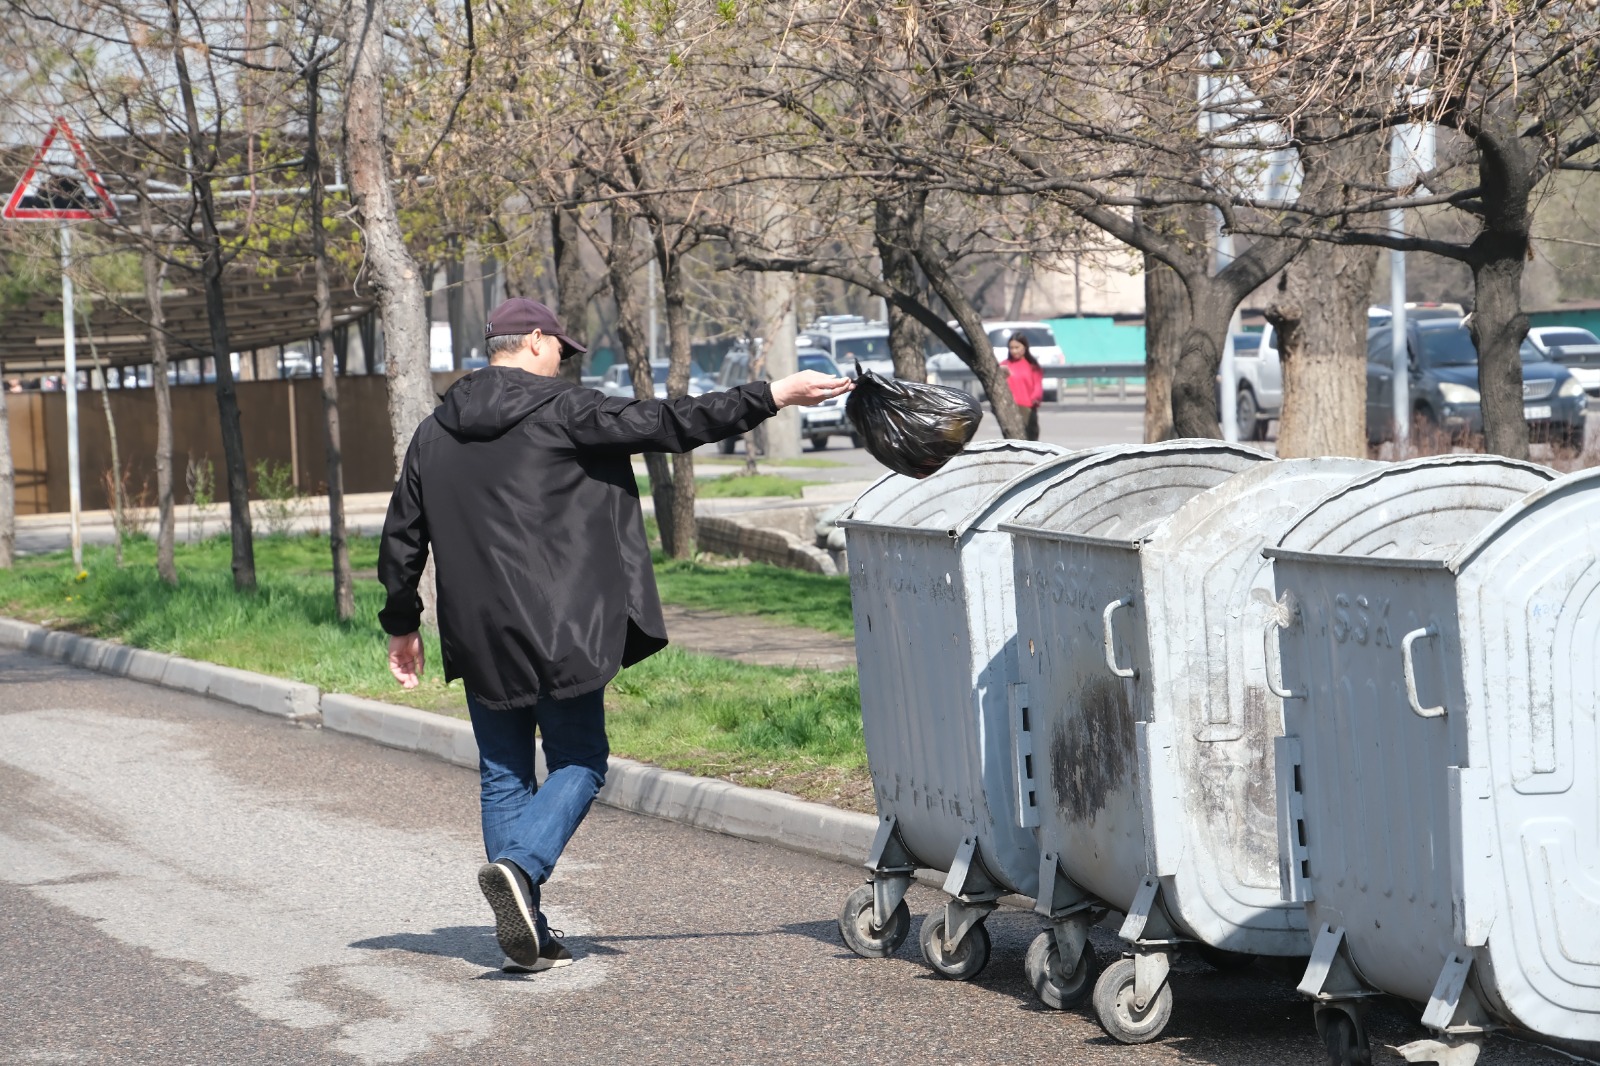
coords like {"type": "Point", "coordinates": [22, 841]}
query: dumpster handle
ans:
{"type": "Point", "coordinates": [1275, 684]}
{"type": "Point", "coordinates": [1111, 653]}
{"type": "Point", "coordinates": [1408, 659]}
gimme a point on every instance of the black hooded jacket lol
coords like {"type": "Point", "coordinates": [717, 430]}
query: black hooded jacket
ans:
{"type": "Point", "coordinates": [522, 487]}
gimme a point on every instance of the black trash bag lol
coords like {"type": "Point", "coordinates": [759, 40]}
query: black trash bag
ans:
{"type": "Point", "coordinates": [912, 429]}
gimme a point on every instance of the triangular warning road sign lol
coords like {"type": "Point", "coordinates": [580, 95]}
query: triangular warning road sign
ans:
{"type": "Point", "coordinates": [60, 184]}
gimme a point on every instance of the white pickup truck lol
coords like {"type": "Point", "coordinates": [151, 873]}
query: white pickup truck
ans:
{"type": "Point", "coordinates": [1260, 381]}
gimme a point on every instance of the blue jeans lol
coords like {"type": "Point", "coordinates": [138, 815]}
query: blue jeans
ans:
{"type": "Point", "coordinates": [523, 821]}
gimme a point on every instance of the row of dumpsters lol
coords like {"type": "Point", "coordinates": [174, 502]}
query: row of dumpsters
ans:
{"type": "Point", "coordinates": [1329, 710]}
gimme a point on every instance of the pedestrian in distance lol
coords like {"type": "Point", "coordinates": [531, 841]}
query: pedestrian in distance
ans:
{"type": "Point", "coordinates": [521, 487]}
{"type": "Point", "coordinates": [1026, 378]}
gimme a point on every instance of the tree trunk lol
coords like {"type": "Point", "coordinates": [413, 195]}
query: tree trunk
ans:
{"type": "Point", "coordinates": [8, 484]}
{"type": "Point", "coordinates": [572, 284]}
{"type": "Point", "coordinates": [344, 602]}
{"type": "Point", "coordinates": [636, 350]}
{"type": "Point", "coordinates": [1166, 320]}
{"type": "Point", "coordinates": [1320, 315]}
{"type": "Point", "coordinates": [679, 364]}
{"type": "Point", "coordinates": [776, 292]}
{"type": "Point", "coordinates": [393, 270]}
{"type": "Point", "coordinates": [119, 502]}
{"type": "Point", "coordinates": [166, 520]}
{"type": "Point", "coordinates": [455, 307]}
{"type": "Point", "coordinates": [1498, 326]}
{"type": "Point", "coordinates": [1497, 256]}
{"type": "Point", "coordinates": [1019, 290]}
{"type": "Point", "coordinates": [894, 227]}
{"type": "Point", "coordinates": [1194, 379]}
{"type": "Point", "coordinates": [203, 159]}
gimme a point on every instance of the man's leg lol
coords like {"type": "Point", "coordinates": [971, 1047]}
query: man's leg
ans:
{"type": "Point", "coordinates": [575, 752]}
{"type": "Point", "coordinates": [505, 772]}
{"type": "Point", "coordinates": [507, 790]}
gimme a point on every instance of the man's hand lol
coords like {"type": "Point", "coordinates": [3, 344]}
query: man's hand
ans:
{"type": "Point", "coordinates": [405, 659]}
{"type": "Point", "coordinates": [808, 388]}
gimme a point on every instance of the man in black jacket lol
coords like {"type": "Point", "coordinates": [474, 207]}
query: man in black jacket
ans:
{"type": "Point", "coordinates": [520, 484]}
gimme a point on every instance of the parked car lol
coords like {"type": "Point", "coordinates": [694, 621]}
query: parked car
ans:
{"type": "Point", "coordinates": [1041, 342]}
{"type": "Point", "coordinates": [618, 381]}
{"type": "Point", "coordinates": [1576, 349]}
{"type": "Point", "coordinates": [848, 338]}
{"type": "Point", "coordinates": [818, 424]}
{"type": "Point", "coordinates": [1444, 384]}
{"type": "Point", "coordinates": [1259, 396]}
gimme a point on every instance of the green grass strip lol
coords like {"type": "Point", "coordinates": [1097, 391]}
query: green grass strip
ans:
{"type": "Point", "coordinates": [684, 711]}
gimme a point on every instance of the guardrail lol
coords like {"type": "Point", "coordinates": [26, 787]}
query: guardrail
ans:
{"type": "Point", "coordinates": [1089, 373]}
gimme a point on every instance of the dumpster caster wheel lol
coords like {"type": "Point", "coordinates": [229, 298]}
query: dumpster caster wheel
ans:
{"type": "Point", "coordinates": [1054, 988]}
{"type": "Point", "coordinates": [1120, 1016]}
{"type": "Point", "coordinates": [1225, 961]}
{"type": "Point", "coordinates": [1343, 1037]}
{"type": "Point", "coordinates": [968, 959]}
{"type": "Point", "coordinates": [860, 936]}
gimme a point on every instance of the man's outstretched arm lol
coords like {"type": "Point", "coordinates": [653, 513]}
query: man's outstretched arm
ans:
{"type": "Point", "coordinates": [683, 424]}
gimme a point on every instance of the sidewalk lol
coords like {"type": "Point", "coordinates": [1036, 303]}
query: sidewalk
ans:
{"type": "Point", "coordinates": [364, 513]}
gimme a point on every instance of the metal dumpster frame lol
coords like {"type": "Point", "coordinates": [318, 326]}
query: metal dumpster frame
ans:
{"type": "Point", "coordinates": [1110, 707]}
{"type": "Point", "coordinates": [927, 568]}
{"type": "Point", "coordinates": [1405, 654]}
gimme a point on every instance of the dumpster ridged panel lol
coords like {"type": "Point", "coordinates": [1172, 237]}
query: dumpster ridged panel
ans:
{"type": "Point", "coordinates": [1413, 510]}
{"type": "Point", "coordinates": [934, 643]}
{"type": "Point", "coordinates": [1086, 719]}
{"type": "Point", "coordinates": [1529, 592]}
{"type": "Point", "coordinates": [1209, 595]}
{"type": "Point", "coordinates": [1361, 570]}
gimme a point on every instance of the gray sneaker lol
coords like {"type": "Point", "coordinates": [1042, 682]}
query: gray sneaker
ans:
{"type": "Point", "coordinates": [553, 954]}
{"type": "Point", "coordinates": [506, 889]}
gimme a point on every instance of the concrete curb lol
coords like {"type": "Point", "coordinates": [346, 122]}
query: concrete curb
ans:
{"type": "Point", "coordinates": [294, 700]}
{"type": "Point", "coordinates": [719, 806]}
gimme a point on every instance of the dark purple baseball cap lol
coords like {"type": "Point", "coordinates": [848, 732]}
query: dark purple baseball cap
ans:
{"type": "Point", "coordinates": [520, 315]}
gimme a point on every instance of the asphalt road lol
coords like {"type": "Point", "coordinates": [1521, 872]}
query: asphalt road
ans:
{"type": "Point", "coordinates": [185, 882]}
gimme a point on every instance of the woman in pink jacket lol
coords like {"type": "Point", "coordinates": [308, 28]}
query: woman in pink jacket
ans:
{"type": "Point", "coordinates": [1026, 379]}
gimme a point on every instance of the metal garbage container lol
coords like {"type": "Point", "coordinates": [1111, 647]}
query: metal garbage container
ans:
{"type": "Point", "coordinates": [1142, 595]}
{"type": "Point", "coordinates": [1439, 780]}
{"type": "Point", "coordinates": [930, 581]}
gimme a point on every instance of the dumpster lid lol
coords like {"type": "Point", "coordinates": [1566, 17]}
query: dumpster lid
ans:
{"type": "Point", "coordinates": [939, 502]}
{"type": "Point", "coordinates": [1014, 494]}
{"type": "Point", "coordinates": [1422, 509]}
{"type": "Point", "coordinates": [1581, 482]}
{"type": "Point", "coordinates": [1263, 498]}
{"type": "Point", "coordinates": [1123, 493]}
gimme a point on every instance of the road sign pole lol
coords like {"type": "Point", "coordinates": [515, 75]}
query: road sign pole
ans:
{"type": "Point", "coordinates": [1228, 371]}
{"type": "Point", "coordinates": [1397, 338]}
{"type": "Point", "coordinates": [70, 385]}
{"type": "Point", "coordinates": [1402, 169]}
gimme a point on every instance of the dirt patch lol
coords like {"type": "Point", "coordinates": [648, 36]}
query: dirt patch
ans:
{"type": "Point", "coordinates": [756, 640]}
{"type": "Point", "coordinates": [1092, 752]}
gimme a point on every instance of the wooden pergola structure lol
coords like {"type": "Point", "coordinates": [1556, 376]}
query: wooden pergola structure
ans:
{"type": "Point", "coordinates": [261, 313]}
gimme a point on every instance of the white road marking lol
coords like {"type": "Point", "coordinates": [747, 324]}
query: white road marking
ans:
{"type": "Point", "coordinates": [312, 919]}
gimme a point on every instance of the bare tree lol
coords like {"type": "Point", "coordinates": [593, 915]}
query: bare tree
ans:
{"type": "Point", "coordinates": [312, 68]}
{"type": "Point", "coordinates": [154, 273]}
